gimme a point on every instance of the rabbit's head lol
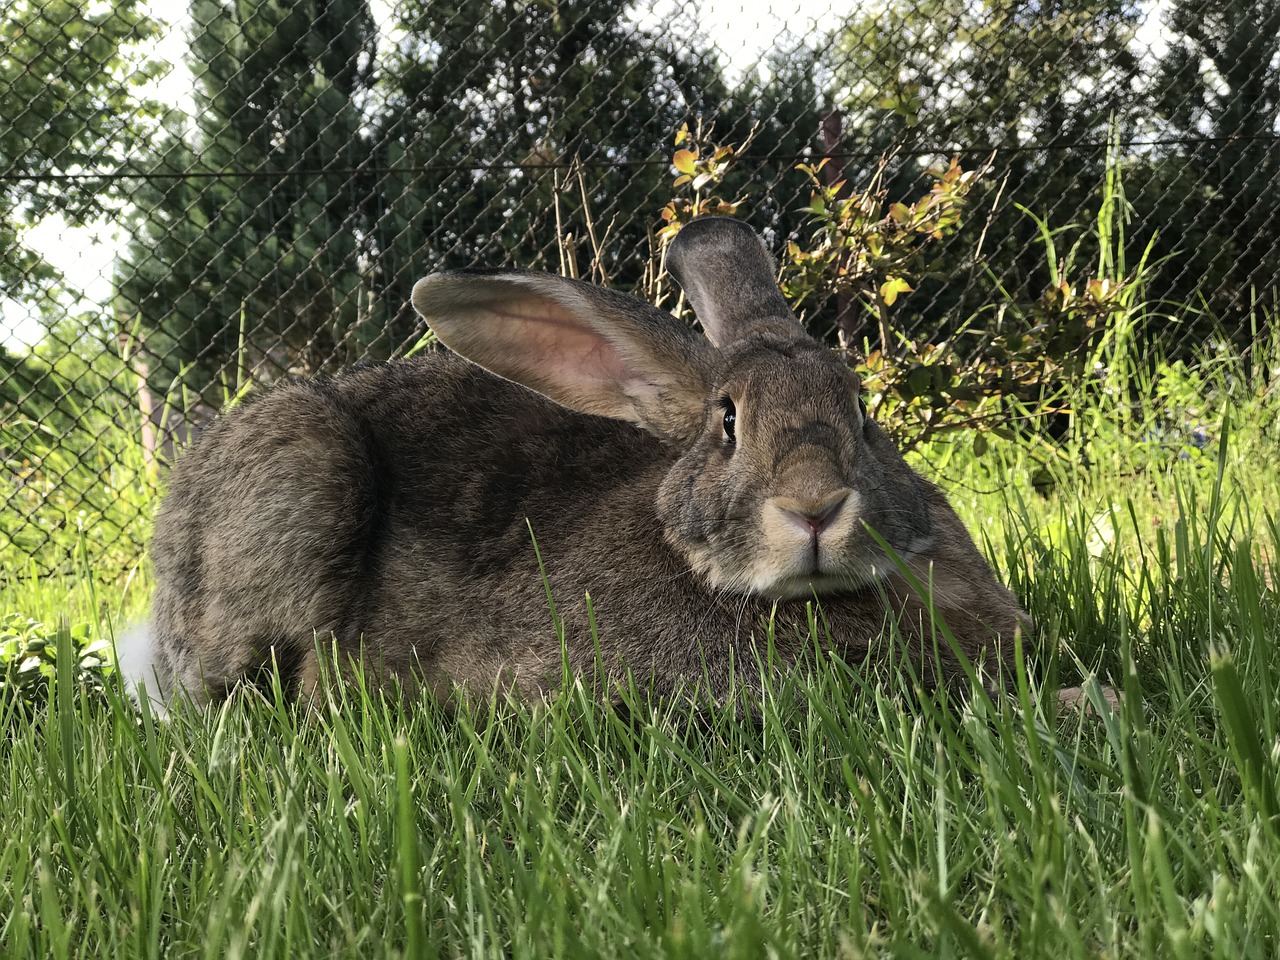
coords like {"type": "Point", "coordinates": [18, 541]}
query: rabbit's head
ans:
{"type": "Point", "coordinates": [779, 471]}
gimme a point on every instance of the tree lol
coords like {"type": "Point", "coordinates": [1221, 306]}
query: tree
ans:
{"type": "Point", "coordinates": [248, 248]}
{"type": "Point", "coordinates": [69, 105]}
{"type": "Point", "coordinates": [782, 114]}
{"type": "Point", "coordinates": [509, 121]}
{"type": "Point", "coordinates": [1219, 87]}
{"type": "Point", "coordinates": [1036, 81]}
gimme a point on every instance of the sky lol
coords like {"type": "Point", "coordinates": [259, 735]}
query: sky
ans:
{"type": "Point", "coordinates": [742, 30]}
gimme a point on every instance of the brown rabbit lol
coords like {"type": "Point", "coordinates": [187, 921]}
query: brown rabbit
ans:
{"type": "Point", "coordinates": [694, 486]}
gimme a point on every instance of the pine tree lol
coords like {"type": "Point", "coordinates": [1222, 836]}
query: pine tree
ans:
{"type": "Point", "coordinates": [248, 252]}
{"type": "Point", "coordinates": [1220, 85]}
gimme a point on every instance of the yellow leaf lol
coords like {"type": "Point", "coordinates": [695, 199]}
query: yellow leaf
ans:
{"type": "Point", "coordinates": [684, 161]}
{"type": "Point", "coordinates": [682, 134]}
{"type": "Point", "coordinates": [890, 289]}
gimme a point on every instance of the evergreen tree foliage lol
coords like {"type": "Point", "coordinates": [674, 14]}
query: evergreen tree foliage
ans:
{"type": "Point", "coordinates": [248, 252]}
{"type": "Point", "coordinates": [306, 195]}
{"type": "Point", "coordinates": [1220, 83]}
{"type": "Point", "coordinates": [781, 111]}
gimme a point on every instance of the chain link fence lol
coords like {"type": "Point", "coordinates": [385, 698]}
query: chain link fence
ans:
{"type": "Point", "coordinates": [195, 199]}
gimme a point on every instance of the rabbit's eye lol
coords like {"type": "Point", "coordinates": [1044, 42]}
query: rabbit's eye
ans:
{"type": "Point", "coordinates": [730, 419]}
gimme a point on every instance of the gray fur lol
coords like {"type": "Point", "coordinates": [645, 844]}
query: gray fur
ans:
{"type": "Point", "coordinates": [389, 508]}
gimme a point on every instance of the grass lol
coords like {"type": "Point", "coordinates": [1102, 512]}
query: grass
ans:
{"type": "Point", "coordinates": [858, 817]}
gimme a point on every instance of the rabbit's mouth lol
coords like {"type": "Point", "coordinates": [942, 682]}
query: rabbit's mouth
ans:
{"type": "Point", "coordinates": [820, 584]}
{"type": "Point", "coordinates": [814, 549]}
{"type": "Point", "coordinates": [796, 571]}
{"type": "Point", "coordinates": [800, 549]}
{"type": "Point", "coordinates": [803, 571]}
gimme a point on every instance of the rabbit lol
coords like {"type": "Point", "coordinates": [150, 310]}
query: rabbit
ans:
{"type": "Point", "coordinates": [696, 487]}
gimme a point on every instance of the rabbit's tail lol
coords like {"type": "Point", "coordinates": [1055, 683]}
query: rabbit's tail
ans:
{"type": "Point", "coordinates": [137, 662]}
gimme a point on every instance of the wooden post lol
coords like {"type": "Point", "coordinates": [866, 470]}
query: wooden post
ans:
{"type": "Point", "coordinates": [136, 361]}
{"type": "Point", "coordinates": [833, 172]}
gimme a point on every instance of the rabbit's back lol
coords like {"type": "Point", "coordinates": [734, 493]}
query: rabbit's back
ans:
{"type": "Point", "coordinates": [392, 508]}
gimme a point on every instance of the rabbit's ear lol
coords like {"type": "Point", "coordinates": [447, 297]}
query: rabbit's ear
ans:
{"type": "Point", "coordinates": [729, 277]}
{"type": "Point", "coordinates": [588, 348]}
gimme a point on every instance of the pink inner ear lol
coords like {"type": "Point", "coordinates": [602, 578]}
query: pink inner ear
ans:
{"type": "Point", "coordinates": [565, 353]}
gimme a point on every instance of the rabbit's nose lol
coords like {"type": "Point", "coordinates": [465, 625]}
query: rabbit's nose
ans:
{"type": "Point", "coordinates": [813, 516]}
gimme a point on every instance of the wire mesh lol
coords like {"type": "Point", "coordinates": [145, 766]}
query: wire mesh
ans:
{"type": "Point", "coordinates": [195, 200]}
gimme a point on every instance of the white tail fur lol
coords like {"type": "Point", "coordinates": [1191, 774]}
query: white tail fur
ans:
{"type": "Point", "coordinates": [136, 661]}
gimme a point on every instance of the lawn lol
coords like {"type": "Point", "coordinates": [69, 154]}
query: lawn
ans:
{"type": "Point", "coordinates": [858, 817]}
